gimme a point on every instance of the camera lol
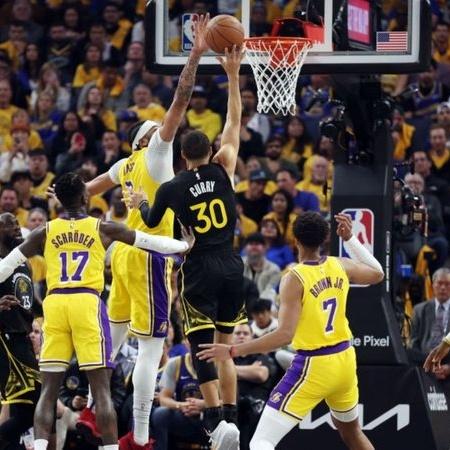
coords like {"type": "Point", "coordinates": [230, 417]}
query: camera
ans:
{"type": "Point", "coordinates": [333, 127]}
{"type": "Point", "coordinates": [411, 213]}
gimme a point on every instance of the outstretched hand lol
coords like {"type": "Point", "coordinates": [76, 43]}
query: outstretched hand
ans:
{"type": "Point", "coordinates": [133, 199]}
{"type": "Point", "coordinates": [7, 302]}
{"type": "Point", "coordinates": [52, 198]}
{"type": "Point", "coordinates": [214, 352]}
{"type": "Point", "coordinates": [200, 44]}
{"type": "Point", "coordinates": [232, 60]}
{"type": "Point", "coordinates": [187, 235]}
{"type": "Point", "coordinates": [433, 361]}
{"type": "Point", "coordinates": [344, 228]}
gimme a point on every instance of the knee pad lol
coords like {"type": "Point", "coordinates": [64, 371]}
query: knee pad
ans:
{"type": "Point", "coordinates": [205, 371]}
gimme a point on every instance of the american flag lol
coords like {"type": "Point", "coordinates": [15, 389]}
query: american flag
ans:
{"type": "Point", "coordinates": [392, 41]}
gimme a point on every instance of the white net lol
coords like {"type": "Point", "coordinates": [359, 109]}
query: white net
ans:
{"type": "Point", "coordinates": [276, 65]}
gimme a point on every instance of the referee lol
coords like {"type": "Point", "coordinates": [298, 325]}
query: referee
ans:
{"type": "Point", "coordinates": [19, 376]}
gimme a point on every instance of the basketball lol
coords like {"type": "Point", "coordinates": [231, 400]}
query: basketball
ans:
{"type": "Point", "coordinates": [224, 31]}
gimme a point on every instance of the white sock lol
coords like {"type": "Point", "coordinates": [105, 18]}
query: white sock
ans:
{"type": "Point", "coordinates": [144, 382]}
{"type": "Point", "coordinates": [40, 444]}
{"type": "Point", "coordinates": [110, 447]}
{"type": "Point", "coordinates": [100, 447]}
{"type": "Point", "coordinates": [272, 427]}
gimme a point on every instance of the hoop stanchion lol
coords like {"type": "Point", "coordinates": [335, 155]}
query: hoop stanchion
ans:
{"type": "Point", "coordinates": [276, 63]}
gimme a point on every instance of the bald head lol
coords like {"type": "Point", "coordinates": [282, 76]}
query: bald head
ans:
{"type": "Point", "coordinates": [10, 233]}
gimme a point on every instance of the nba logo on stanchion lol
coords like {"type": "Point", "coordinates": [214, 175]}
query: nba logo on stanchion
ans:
{"type": "Point", "coordinates": [362, 228]}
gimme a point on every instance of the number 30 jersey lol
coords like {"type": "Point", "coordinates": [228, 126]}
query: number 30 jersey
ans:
{"type": "Point", "coordinates": [74, 254]}
{"type": "Point", "coordinates": [323, 321]}
{"type": "Point", "coordinates": [202, 198]}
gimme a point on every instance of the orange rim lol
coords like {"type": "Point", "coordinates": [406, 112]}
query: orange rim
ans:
{"type": "Point", "coordinates": [284, 41]}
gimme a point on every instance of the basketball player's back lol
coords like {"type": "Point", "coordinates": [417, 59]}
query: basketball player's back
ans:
{"type": "Point", "coordinates": [325, 287]}
{"type": "Point", "coordinates": [325, 365]}
{"type": "Point", "coordinates": [75, 262]}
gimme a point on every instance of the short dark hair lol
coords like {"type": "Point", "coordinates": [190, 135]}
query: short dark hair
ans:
{"type": "Point", "coordinates": [195, 145]}
{"type": "Point", "coordinates": [69, 189]}
{"type": "Point", "coordinates": [442, 23]}
{"type": "Point", "coordinates": [291, 172]}
{"type": "Point", "coordinates": [261, 305]}
{"type": "Point", "coordinates": [7, 187]}
{"type": "Point", "coordinates": [311, 229]}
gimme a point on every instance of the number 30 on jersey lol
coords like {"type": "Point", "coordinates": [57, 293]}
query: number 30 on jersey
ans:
{"type": "Point", "coordinates": [212, 214]}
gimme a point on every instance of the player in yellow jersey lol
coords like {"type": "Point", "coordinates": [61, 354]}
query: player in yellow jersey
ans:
{"type": "Point", "coordinates": [312, 318]}
{"type": "Point", "coordinates": [140, 292]}
{"type": "Point", "coordinates": [75, 318]}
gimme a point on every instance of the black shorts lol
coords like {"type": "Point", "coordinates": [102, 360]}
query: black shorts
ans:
{"type": "Point", "coordinates": [19, 372]}
{"type": "Point", "coordinates": [211, 290]}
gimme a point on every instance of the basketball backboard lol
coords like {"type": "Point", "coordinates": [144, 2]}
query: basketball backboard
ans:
{"type": "Point", "coordinates": [361, 36]}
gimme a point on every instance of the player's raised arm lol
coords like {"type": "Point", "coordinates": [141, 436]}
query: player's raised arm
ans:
{"type": "Point", "coordinates": [291, 293]}
{"type": "Point", "coordinates": [100, 184]}
{"type": "Point", "coordinates": [186, 82]}
{"type": "Point", "coordinates": [229, 144]}
{"type": "Point", "coordinates": [161, 244]}
{"type": "Point", "coordinates": [362, 268]}
{"type": "Point", "coordinates": [33, 244]}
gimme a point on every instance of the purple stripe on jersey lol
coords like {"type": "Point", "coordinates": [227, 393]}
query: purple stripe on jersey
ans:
{"type": "Point", "coordinates": [106, 331]}
{"type": "Point", "coordinates": [344, 345]}
{"type": "Point", "coordinates": [79, 290]}
{"type": "Point", "coordinates": [291, 380]}
{"type": "Point", "coordinates": [161, 298]}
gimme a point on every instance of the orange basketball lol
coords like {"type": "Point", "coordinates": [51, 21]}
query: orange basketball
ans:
{"type": "Point", "coordinates": [224, 31]}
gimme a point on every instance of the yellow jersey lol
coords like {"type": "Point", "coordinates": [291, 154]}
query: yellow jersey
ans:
{"type": "Point", "coordinates": [322, 320]}
{"type": "Point", "coordinates": [134, 173]}
{"type": "Point", "coordinates": [74, 254]}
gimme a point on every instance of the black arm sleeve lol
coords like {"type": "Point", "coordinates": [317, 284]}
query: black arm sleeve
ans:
{"type": "Point", "coordinates": [153, 215]}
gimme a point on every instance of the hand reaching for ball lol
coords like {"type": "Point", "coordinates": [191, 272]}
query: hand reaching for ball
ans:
{"type": "Point", "coordinates": [200, 44]}
{"type": "Point", "coordinates": [232, 60]}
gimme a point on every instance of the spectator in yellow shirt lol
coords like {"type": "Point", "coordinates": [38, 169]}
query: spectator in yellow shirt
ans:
{"type": "Point", "coordinates": [116, 26]}
{"type": "Point", "coordinates": [402, 135]}
{"type": "Point", "coordinates": [201, 117]}
{"type": "Point", "coordinates": [443, 116]}
{"type": "Point", "coordinates": [282, 213]}
{"type": "Point", "coordinates": [244, 228]}
{"type": "Point", "coordinates": [14, 47]}
{"type": "Point", "coordinates": [21, 120]}
{"type": "Point", "coordinates": [441, 36]}
{"type": "Point", "coordinates": [9, 202]}
{"type": "Point", "coordinates": [319, 177]}
{"type": "Point", "coordinates": [6, 108]}
{"type": "Point", "coordinates": [110, 84]}
{"type": "Point", "coordinates": [89, 70]}
{"type": "Point", "coordinates": [95, 115]}
{"type": "Point", "coordinates": [144, 106]}
{"type": "Point", "coordinates": [41, 177]}
{"type": "Point", "coordinates": [298, 145]}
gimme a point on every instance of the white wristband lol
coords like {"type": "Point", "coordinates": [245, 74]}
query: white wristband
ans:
{"type": "Point", "coordinates": [160, 244]}
{"type": "Point", "coordinates": [359, 253]}
{"type": "Point", "coordinates": [10, 263]}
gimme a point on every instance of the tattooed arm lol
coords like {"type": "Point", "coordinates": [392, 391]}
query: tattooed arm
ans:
{"type": "Point", "coordinates": [183, 93]}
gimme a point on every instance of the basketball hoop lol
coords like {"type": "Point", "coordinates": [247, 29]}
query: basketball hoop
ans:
{"type": "Point", "coordinates": [276, 62]}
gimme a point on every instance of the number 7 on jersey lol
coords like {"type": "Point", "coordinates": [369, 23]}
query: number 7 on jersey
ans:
{"type": "Point", "coordinates": [330, 307]}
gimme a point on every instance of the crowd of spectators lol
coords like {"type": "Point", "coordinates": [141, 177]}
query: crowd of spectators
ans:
{"type": "Point", "coordinates": [73, 81]}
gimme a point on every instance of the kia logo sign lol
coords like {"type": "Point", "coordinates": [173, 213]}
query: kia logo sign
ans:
{"type": "Point", "coordinates": [401, 411]}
